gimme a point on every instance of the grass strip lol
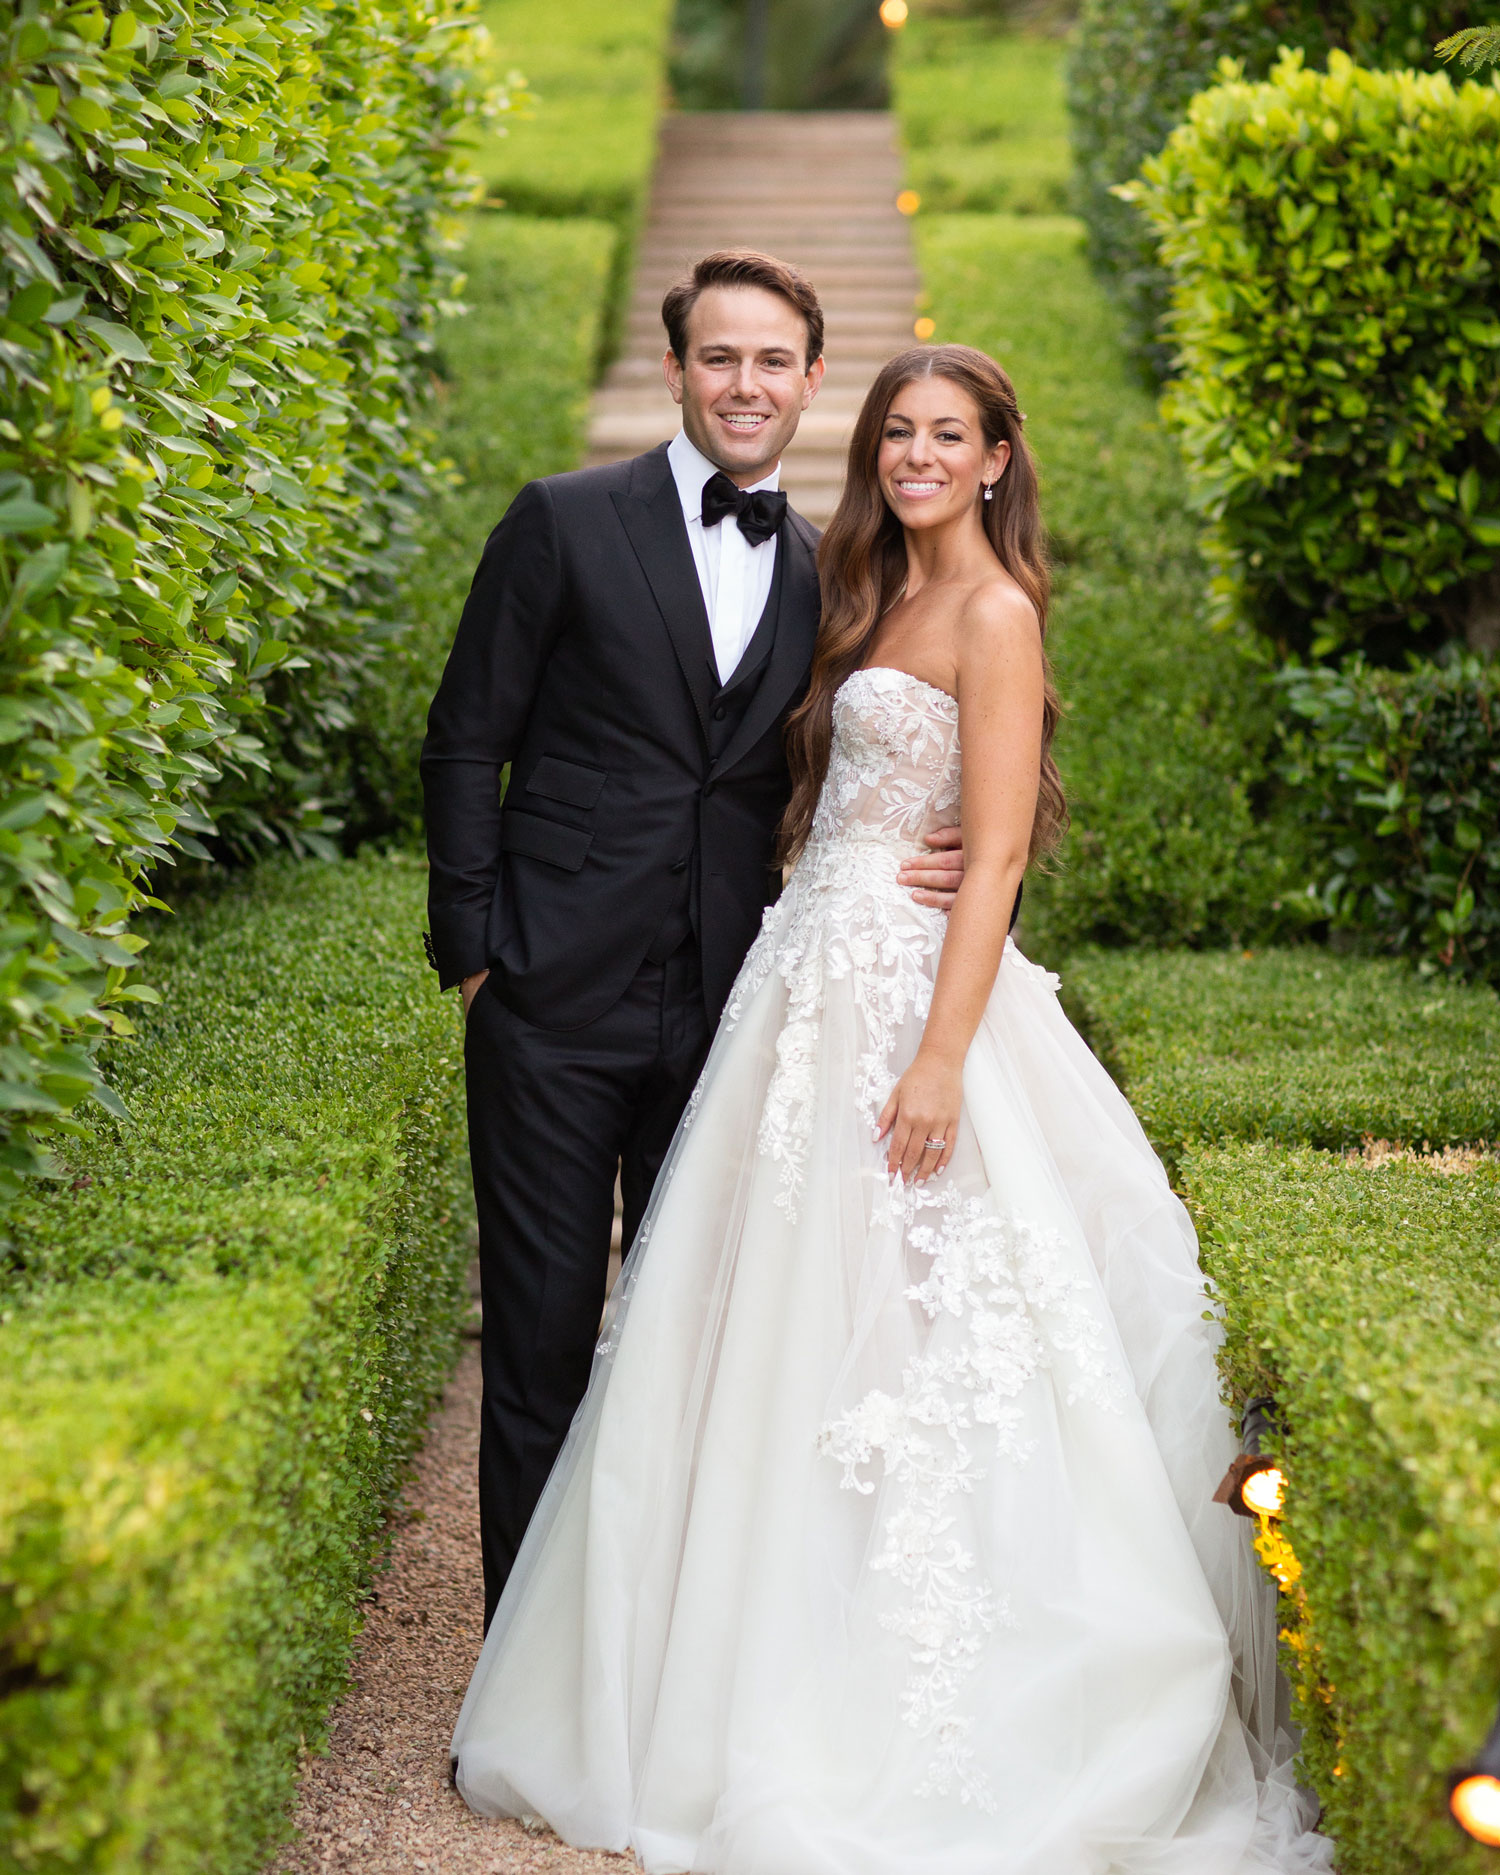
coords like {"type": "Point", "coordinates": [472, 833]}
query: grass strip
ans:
{"type": "Point", "coordinates": [1295, 1046]}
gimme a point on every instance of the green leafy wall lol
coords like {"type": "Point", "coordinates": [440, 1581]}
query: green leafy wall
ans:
{"type": "Point", "coordinates": [221, 251]}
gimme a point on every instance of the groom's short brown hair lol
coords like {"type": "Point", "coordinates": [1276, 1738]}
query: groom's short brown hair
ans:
{"type": "Point", "coordinates": [742, 266]}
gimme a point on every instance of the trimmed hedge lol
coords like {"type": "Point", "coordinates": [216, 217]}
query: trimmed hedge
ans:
{"type": "Point", "coordinates": [1399, 772]}
{"type": "Point", "coordinates": [1335, 257]}
{"type": "Point", "coordinates": [596, 72]}
{"type": "Point", "coordinates": [220, 254]}
{"type": "Point", "coordinates": [218, 1343]}
{"type": "Point", "coordinates": [1367, 1303]}
{"type": "Point", "coordinates": [1365, 1299]}
{"type": "Point", "coordinates": [1135, 66]}
{"type": "Point", "coordinates": [1293, 1046]}
{"type": "Point", "coordinates": [999, 139]}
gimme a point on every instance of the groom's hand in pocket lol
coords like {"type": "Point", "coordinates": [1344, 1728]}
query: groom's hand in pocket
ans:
{"type": "Point", "coordinates": [935, 879]}
{"type": "Point", "coordinates": [470, 988]}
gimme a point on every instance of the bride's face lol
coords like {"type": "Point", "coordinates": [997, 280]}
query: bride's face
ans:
{"type": "Point", "coordinates": [934, 461]}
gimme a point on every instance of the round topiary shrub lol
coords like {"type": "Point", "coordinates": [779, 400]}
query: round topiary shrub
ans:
{"type": "Point", "coordinates": [1136, 64]}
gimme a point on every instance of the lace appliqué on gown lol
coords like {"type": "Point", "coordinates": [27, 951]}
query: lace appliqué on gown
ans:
{"type": "Point", "coordinates": [1018, 1310]}
{"type": "Point", "coordinates": [893, 772]}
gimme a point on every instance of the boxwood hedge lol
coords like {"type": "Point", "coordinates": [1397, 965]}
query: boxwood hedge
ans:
{"type": "Point", "coordinates": [1335, 255]}
{"type": "Point", "coordinates": [220, 249]}
{"type": "Point", "coordinates": [1367, 1303]}
{"type": "Point", "coordinates": [1296, 1046]}
{"type": "Point", "coordinates": [1364, 1297]}
{"type": "Point", "coordinates": [218, 1341]}
{"type": "Point", "coordinates": [1399, 773]}
{"type": "Point", "coordinates": [1135, 66]}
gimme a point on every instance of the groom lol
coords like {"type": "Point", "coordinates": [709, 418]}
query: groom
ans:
{"type": "Point", "coordinates": [632, 645]}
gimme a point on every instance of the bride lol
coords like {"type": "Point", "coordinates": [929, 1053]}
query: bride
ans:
{"type": "Point", "coordinates": [883, 1542]}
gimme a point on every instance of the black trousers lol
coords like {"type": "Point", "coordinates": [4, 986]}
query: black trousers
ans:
{"type": "Point", "coordinates": [552, 1116]}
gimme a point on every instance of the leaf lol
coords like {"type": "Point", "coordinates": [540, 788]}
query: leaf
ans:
{"type": "Point", "coordinates": [38, 574]}
{"type": "Point", "coordinates": [19, 514]}
{"type": "Point", "coordinates": [119, 341]}
{"type": "Point", "coordinates": [30, 303]}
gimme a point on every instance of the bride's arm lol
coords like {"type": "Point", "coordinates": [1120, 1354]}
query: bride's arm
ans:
{"type": "Point", "coordinates": [1000, 697]}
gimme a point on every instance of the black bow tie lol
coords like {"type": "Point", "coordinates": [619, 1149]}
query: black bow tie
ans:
{"type": "Point", "coordinates": [758, 515]}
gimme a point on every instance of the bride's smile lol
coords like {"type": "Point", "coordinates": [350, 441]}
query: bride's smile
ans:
{"type": "Point", "coordinates": [934, 462]}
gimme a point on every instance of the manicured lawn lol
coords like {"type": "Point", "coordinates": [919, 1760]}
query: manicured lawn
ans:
{"type": "Point", "coordinates": [596, 69]}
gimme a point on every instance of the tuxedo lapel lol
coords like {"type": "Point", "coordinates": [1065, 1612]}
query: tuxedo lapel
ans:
{"type": "Point", "coordinates": [651, 514]}
{"type": "Point", "coordinates": [791, 652]}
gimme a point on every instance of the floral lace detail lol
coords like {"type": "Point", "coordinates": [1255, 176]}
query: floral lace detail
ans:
{"type": "Point", "coordinates": [893, 773]}
{"type": "Point", "coordinates": [1021, 1310]}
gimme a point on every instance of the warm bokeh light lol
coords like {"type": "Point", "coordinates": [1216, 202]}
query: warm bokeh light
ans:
{"type": "Point", "coordinates": [1264, 1492]}
{"type": "Point", "coordinates": [1475, 1803]}
{"type": "Point", "coordinates": [908, 201]}
{"type": "Point", "coordinates": [893, 13]}
{"type": "Point", "coordinates": [924, 329]}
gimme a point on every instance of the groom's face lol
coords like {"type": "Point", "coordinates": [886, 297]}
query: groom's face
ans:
{"type": "Point", "coordinates": [745, 380]}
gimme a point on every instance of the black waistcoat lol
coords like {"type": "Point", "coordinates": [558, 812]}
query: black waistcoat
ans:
{"type": "Point", "coordinates": [726, 713]}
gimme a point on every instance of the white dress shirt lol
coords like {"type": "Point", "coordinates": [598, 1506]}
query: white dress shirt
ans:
{"type": "Point", "coordinates": [735, 577]}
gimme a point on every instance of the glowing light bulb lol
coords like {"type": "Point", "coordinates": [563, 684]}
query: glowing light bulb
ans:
{"type": "Point", "coordinates": [908, 201]}
{"type": "Point", "coordinates": [924, 329]}
{"type": "Point", "coordinates": [1264, 1492]}
{"type": "Point", "coordinates": [893, 13]}
{"type": "Point", "coordinates": [1475, 1803]}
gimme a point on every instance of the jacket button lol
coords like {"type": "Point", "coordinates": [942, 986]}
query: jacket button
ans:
{"type": "Point", "coordinates": [720, 713]}
{"type": "Point", "coordinates": [708, 788]}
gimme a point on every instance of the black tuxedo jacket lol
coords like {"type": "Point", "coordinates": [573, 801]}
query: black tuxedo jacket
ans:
{"type": "Point", "coordinates": [584, 660]}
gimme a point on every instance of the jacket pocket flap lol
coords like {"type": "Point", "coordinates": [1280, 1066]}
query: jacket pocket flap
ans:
{"type": "Point", "coordinates": [569, 782]}
{"type": "Point", "coordinates": [535, 838]}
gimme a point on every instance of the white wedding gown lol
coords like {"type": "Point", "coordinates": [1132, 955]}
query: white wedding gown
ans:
{"type": "Point", "coordinates": [883, 1542]}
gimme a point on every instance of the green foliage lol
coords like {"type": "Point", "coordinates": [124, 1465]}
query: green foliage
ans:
{"type": "Point", "coordinates": [1474, 48]}
{"type": "Point", "coordinates": [595, 71]}
{"type": "Point", "coordinates": [217, 1347]}
{"type": "Point", "coordinates": [1137, 63]}
{"type": "Point", "coordinates": [820, 55]}
{"type": "Point", "coordinates": [981, 117]}
{"type": "Point", "coordinates": [1363, 1299]}
{"type": "Point", "coordinates": [1399, 771]}
{"type": "Point", "coordinates": [218, 260]}
{"type": "Point", "coordinates": [1295, 1046]}
{"type": "Point", "coordinates": [1367, 1303]}
{"type": "Point", "coordinates": [1168, 736]}
{"type": "Point", "coordinates": [512, 400]}
{"type": "Point", "coordinates": [1333, 245]}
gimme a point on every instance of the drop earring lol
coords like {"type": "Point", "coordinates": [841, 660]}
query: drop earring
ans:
{"type": "Point", "coordinates": [989, 491]}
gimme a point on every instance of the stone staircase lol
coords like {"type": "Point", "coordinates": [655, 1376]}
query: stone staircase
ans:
{"type": "Point", "coordinates": [817, 188]}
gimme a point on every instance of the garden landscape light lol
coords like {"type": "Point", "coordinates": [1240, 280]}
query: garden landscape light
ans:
{"type": "Point", "coordinates": [893, 14]}
{"type": "Point", "coordinates": [1474, 1793]}
{"type": "Point", "coordinates": [1254, 1485]}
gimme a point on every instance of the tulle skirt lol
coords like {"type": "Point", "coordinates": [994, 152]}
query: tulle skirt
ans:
{"type": "Point", "coordinates": [884, 1542]}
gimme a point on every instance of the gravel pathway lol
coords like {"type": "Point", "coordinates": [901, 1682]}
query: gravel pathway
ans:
{"type": "Point", "coordinates": [380, 1802]}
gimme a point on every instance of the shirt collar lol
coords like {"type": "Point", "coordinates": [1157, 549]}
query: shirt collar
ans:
{"type": "Point", "coordinates": [691, 469]}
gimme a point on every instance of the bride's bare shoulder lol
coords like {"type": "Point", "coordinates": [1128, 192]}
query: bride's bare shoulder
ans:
{"type": "Point", "coordinates": [997, 622]}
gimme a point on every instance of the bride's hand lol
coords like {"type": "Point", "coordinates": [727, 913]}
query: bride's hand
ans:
{"type": "Point", "coordinates": [922, 1110]}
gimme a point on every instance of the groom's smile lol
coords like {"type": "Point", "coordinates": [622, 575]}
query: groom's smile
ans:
{"type": "Point", "coordinates": [745, 378]}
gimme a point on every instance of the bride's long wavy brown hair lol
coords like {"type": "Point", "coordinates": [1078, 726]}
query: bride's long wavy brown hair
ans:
{"type": "Point", "coordinates": [862, 565]}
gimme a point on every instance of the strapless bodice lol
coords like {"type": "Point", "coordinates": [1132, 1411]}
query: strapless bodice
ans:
{"type": "Point", "coordinates": [894, 768]}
